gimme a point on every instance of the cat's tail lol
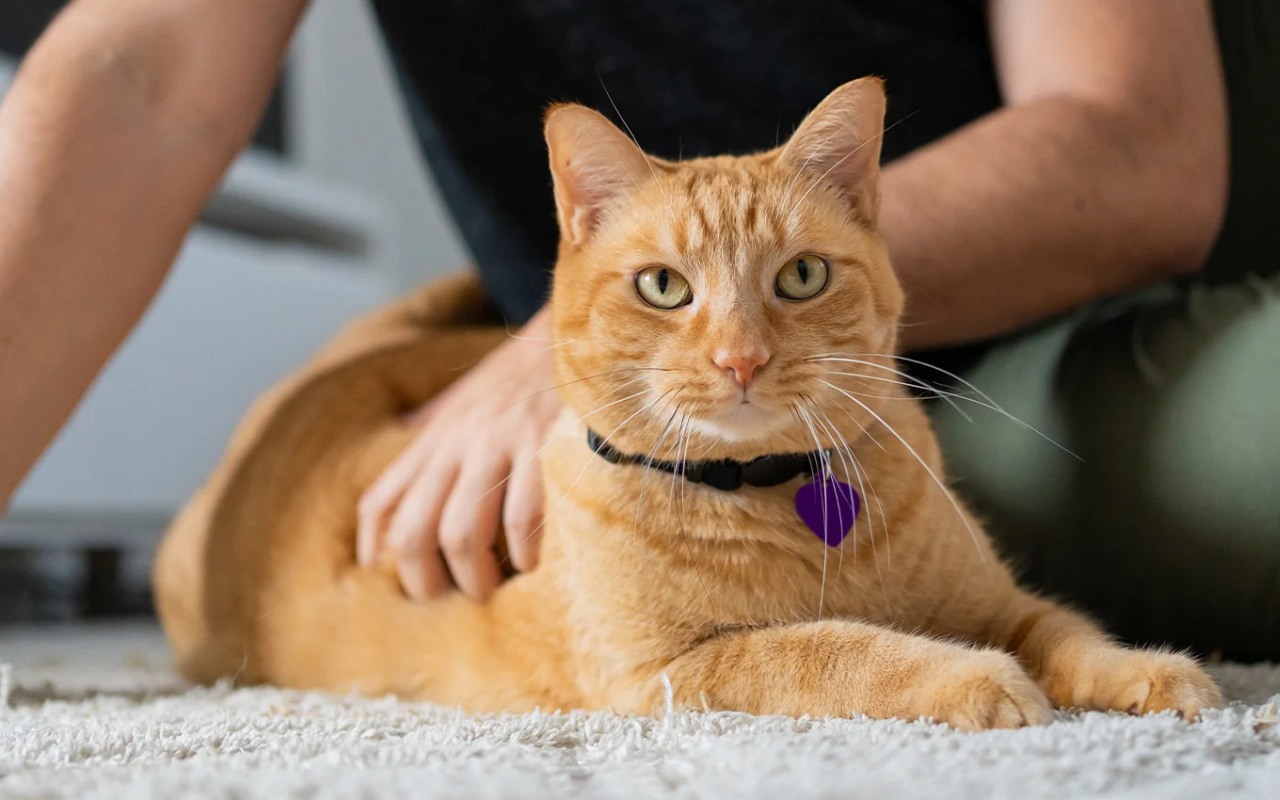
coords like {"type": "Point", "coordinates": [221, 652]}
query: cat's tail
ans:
{"type": "Point", "coordinates": [256, 579]}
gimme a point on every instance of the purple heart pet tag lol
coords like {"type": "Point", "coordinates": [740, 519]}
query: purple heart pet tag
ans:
{"type": "Point", "coordinates": [828, 507]}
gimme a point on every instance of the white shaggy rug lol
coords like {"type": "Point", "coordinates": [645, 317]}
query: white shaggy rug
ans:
{"type": "Point", "coordinates": [95, 713]}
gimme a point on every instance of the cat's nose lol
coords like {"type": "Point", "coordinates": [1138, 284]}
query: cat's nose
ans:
{"type": "Point", "coordinates": [742, 365]}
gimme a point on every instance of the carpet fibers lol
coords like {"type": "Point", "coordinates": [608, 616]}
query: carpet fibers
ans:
{"type": "Point", "coordinates": [96, 713]}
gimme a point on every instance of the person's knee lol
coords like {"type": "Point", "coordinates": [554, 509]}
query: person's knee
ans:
{"type": "Point", "coordinates": [1169, 522]}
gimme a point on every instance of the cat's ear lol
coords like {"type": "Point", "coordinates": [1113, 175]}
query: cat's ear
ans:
{"type": "Point", "coordinates": [839, 143]}
{"type": "Point", "coordinates": [592, 164]}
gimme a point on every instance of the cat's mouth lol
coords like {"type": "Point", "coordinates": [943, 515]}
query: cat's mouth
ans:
{"type": "Point", "coordinates": [742, 421]}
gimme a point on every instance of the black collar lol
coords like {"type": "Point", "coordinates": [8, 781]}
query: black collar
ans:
{"type": "Point", "coordinates": [725, 475]}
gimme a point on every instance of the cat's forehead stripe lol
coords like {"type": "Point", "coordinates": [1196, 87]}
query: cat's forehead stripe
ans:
{"type": "Point", "coordinates": [729, 214]}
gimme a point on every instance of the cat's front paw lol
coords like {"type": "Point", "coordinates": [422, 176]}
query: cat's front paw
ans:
{"type": "Point", "coordinates": [985, 689]}
{"type": "Point", "coordinates": [1136, 682]}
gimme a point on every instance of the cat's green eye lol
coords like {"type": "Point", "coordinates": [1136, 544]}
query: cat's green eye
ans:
{"type": "Point", "coordinates": [802, 277]}
{"type": "Point", "coordinates": [663, 287]}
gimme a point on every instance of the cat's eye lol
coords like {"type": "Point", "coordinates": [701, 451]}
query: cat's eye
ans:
{"type": "Point", "coordinates": [802, 277]}
{"type": "Point", "coordinates": [663, 287]}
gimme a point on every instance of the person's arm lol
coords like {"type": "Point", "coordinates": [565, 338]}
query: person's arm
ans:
{"type": "Point", "coordinates": [1106, 170]}
{"type": "Point", "coordinates": [118, 127]}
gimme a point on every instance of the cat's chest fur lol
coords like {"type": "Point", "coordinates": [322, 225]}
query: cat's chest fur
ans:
{"type": "Point", "coordinates": [649, 562]}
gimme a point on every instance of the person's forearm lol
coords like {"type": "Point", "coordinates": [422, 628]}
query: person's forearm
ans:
{"type": "Point", "coordinates": [109, 147]}
{"type": "Point", "coordinates": [1034, 210]}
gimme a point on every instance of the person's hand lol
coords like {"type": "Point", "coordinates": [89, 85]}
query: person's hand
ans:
{"type": "Point", "coordinates": [473, 467]}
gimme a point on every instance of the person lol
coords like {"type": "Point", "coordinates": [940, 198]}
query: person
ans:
{"type": "Point", "coordinates": [1049, 162]}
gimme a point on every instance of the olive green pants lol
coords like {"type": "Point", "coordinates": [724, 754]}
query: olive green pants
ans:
{"type": "Point", "coordinates": [1168, 524]}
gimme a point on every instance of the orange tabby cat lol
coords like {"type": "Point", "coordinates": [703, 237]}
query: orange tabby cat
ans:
{"type": "Point", "coordinates": [719, 308]}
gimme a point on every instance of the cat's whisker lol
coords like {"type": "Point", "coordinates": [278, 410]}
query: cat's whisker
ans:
{"type": "Point", "coordinates": [861, 427]}
{"type": "Point", "coordinates": [908, 380]}
{"type": "Point", "coordinates": [945, 491]}
{"type": "Point", "coordinates": [606, 374]}
{"type": "Point", "coordinates": [867, 488]}
{"type": "Point", "coordinates": [588, 462]}
{"type": "Point", "coordinates": [624, 386]}
{"type": "Point", "coordinates": [684, 534]}
{"type": "Point", "coordinates": [676, 413]}
{"type": "Point", "coordinates": [680, 458]}
{"type": "Point", "coordinates": [554, 342]}
{"type": "Point", "coordinates": [878, 444]}
{"type": "Point", "coordinates": [684, 459]}
{"type": "Point", "coordinates": [865, 395]}
{"type": "Point", "coordinates": [859, 473]}
{"type": "Point", "coordinates": [837, 443]}
{"type": "Point", "coordinates": [804, 165]}
{"type": "Point", "coordinates": [825, 467]}
{"type": "Point", "coordinates": [984, 402]}
{"type": "Point", "coordinates": [648, 162]}
{"type": "Point", "coordinates": [844, 450]}
{"type": "Point", "coordinates": [988, 404]}
{"type": "Point", "coordinates": [675, 459]}
{"type": "Point", "coordinates": [559, 344]}
{"type": "Point", "coordinates": [845, 453]}
{"type": "Point", "coordinates": [538, 453]}
{"type": "Point", "coordinates": [846, 157]}
{"type": "Point", "coordinates": [941, 394]}
{"type": "Point", "coordinates": [850, 463]}
{"type": "Point", "coordinates": [520, 337]}
{"type": "Point", "coordinates": [653, 453]}
{"type": "Point", "coordinates": [818, 469]}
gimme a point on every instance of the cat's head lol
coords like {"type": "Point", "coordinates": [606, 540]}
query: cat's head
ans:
{"type": "Point", "coordinates": [692, 299]}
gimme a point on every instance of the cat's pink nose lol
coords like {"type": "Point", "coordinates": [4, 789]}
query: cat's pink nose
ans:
{"type": "Point", "coordinates": [742, 366]}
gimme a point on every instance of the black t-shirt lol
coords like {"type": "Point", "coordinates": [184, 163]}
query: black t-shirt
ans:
{"type": "Point", "coordinates": [690, 78]}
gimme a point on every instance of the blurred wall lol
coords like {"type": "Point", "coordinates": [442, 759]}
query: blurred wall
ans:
{"type": "Point", "coordinates": [345, 121]}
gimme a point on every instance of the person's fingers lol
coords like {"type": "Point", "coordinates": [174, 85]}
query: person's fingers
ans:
{"type": "Point", "coordinates": [422, 414]}
{"type": "Point", "coordinates": [522, 512]}
{"type": "Point", "coordinates": [414, 530]}
{"type": "Point", "coordinates": [422, 573]}
{"type": "Point", "coordinates": [469, 526]}
{"type": "Point", "coordinates": [372, 513]}
{"type": "Point", "coordinates": [379, 500]}
{"type": "Point", "coordinates": [378, 503]}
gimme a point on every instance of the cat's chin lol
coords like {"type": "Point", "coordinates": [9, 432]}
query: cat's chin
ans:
{"type": "Point", "coordinates": [742, 422]}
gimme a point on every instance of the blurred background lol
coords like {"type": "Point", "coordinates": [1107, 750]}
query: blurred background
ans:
{"type": "Point", "coordinates": [329, 213]}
